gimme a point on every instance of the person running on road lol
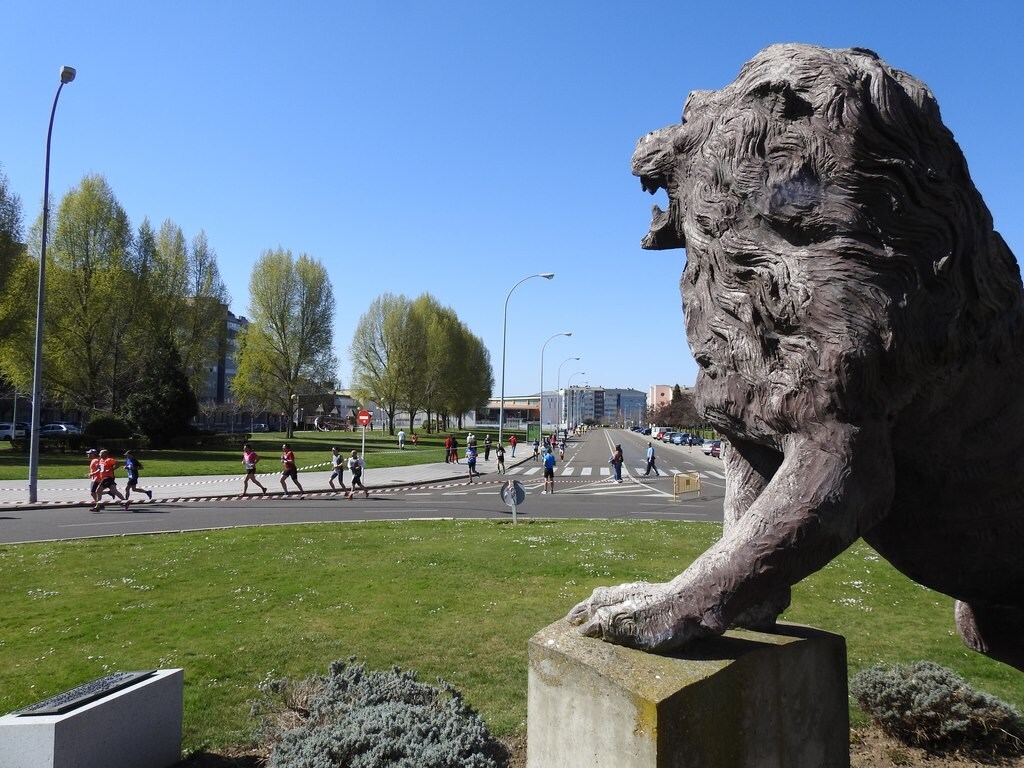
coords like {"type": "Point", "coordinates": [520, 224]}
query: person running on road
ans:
{"type": "Point", "coordinates": [289, 470]}
{"type": "Point", "coordinates": [107, 483]}
{"type": "Point", "coordinates": [133, 466]}
{"type": "Point", "coordinates": [549, 471]}
{"type": "Point", "coordinates": [499, 455]}
{"type": "Point", "coordinates": [355, 468]}
{"type": "Point", "coordinates": [337, 469]}
{"type": "Point", "coordinates": [487, 448]}
{"type": "Point", "coordinates": [95, 470]}
{"type": "Point", "coordinates": [471, 460]}
{"type": "Point", "coordinates": [650, 461]}
{"type": "Point", "coordinates": [536, 449]}
{"type": "Point", "coordinates": [249, 460]}
{"type": "Point", "coordinates": [561, 450]}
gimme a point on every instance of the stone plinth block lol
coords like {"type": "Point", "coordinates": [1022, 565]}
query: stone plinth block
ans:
{"type": "Point", "coordinates": [741, 700]}
{"type": "Point", "coordinates": [135, 727]}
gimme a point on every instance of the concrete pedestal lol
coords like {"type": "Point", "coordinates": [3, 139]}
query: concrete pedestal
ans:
{"type": "Point", "coordinates": [742, 700]}
{"type": "Point", "coordinates": [135, 727]}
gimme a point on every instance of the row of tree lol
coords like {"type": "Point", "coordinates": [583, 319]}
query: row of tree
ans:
{"type": "Point", "coordinates": [415, 356]}
{"type": "Point", "coordinates": [126, 309]}
{"type": "Point", "coordinates": [112, 295]}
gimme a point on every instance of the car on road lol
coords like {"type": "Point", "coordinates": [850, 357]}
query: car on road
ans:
{"type": "Point", "coordinates": [59, 429]}
{"type": "Point", "coordinates": [710, 445]}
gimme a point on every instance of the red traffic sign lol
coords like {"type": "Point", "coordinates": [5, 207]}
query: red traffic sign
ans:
{"type": "Point", "coordinates": [364, 417]}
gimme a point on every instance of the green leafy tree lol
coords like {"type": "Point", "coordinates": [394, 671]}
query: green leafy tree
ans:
{"type": "Point", "coordinates": [91, 309]}
{"type": "Point", "coordinates": [442, 365]}
{"type": "Point", "coordinates": [286, 350]}
{"type": "Point", "coordinates": [476, 381]}
{"type": "Point", "coordinates": [17, 290]}
{"type": "Point", "coordinates": [164, 404]}
{"type": "Point", "coordinates": [379, 364]}
{"type": "Point", "coordinates": [188, 297]}
{"type": "Point", "coordinates": [417, 356]}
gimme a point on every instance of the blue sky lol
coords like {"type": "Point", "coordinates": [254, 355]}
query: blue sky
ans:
{"type": "Point", "coordinates": [455, 147]}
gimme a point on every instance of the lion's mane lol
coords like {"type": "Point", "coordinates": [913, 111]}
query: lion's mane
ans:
{"type": "Point", "coordinates": [838, 254]}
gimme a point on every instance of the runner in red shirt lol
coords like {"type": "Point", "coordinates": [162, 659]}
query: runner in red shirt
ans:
{"type": "Point", "coordinates": [289, 470]}
{"type": "Point", "coordinates": [107, 483]}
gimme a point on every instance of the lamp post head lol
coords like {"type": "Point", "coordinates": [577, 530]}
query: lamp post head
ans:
{"type": "Point", "coordinates": [67, 74]}
{"type": "Point", "coordinates": [545, 275]}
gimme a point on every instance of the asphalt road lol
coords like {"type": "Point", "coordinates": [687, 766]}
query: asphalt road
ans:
{"type": "Point", "coordinates": [583, 490]}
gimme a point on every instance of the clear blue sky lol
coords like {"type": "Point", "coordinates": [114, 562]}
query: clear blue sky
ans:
{"type": "Point", "coordinates": [455, 147]}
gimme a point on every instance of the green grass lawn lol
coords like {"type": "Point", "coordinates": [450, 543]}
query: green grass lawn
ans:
{"type": "Point", "coordinates": [310, 448]}
{"type": "Point", "coordinates": [452, 599]}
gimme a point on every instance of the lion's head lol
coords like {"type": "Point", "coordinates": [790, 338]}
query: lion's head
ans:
{"type": "Point", "coordinates": [838, 254]}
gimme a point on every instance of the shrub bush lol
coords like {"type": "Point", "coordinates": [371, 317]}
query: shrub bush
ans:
{"type": "Point", "coordinates": [929, 706]}
{"type": "Point", "coordinates": [358, 719]}
{"type": "Point", "coordinates": [107, 426]}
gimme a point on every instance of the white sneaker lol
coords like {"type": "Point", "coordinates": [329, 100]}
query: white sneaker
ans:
{"type": "Point", "coordinates": [543, 491]}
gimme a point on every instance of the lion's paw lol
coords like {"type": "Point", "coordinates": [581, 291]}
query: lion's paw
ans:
{"type": "Point", "coordinates": [608, 596]}
{"type": "Point", "coordinates": [640, 615]}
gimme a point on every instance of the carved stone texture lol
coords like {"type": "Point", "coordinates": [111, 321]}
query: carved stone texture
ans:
{"type": "Point", "coordinates": [859, 328]}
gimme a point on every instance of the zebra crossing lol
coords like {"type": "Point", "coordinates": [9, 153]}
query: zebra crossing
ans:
{"type": "Point", "coordinates": [569, 472]}
{"type": "Point", "coordinates": [589, 480]}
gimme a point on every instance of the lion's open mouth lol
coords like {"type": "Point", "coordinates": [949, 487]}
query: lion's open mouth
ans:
{"type": "Point", "coordinates": [664, 233]}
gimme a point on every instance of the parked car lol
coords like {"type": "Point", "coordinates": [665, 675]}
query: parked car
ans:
{"type": "Point", "coordinates": [9, 431]}
{"type": "Point", "coordinates": [716, 451]}
{"type": "Point", "coordinates": [667, 437]}
{"type": "Point", "coordinates": [695, 440]}
{"type": "Point", "coordinates": [710, 445]}
{"type": "Point", "coordinates": [59, 429]}
{"type": "Point", "coordinates": [680, 438]}
{"type": "Point", "coordinates": [260, 428]}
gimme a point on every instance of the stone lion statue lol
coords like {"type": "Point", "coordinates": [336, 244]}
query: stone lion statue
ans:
{"type": "Point", "coordinates": [859, 329]}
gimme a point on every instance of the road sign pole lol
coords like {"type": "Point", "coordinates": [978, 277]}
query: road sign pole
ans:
{"type": "Point", "coordinates": [364, 417]}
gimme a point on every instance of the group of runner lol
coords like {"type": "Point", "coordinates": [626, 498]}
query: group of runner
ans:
{"type": "Point", "coordinates": [289, 471]}
{"type": "Point", "coordinates": [102, 466]}
{"type": "Point", "coordinates": [101, 473]}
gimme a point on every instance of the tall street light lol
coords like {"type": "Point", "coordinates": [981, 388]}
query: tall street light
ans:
{"type": "Point", "coordinates": [541, 409]}
{"type": "Point", "coordinates": [572, 404]}
{"type": "Point", "coordinates": [67, 74]}
{"type": "Point", "coordinates": [558, 388]}
{"type": "Point", "coordinates": [504, 335]}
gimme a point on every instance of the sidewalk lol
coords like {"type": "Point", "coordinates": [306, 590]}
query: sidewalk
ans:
{"type": "Point", "coordinates": [51, 493]}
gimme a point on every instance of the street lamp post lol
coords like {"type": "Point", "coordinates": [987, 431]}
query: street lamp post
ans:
{"type": "Point", "coordinates": [504, 335]}
{"type": "Point", "coordinates": [558, 388]}
{"type": "Point", "coordinates": [541, 409]}
{"type": "Point", "coordinates": [67, 74]}
{"type": "Point", "coordinates": [573, 401]}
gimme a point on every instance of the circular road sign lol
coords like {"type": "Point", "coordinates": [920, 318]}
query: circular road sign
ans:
{"type": "Point", "coordinates": [513, 493]}
{"type": "Point", "coordinates": [364, 417]}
